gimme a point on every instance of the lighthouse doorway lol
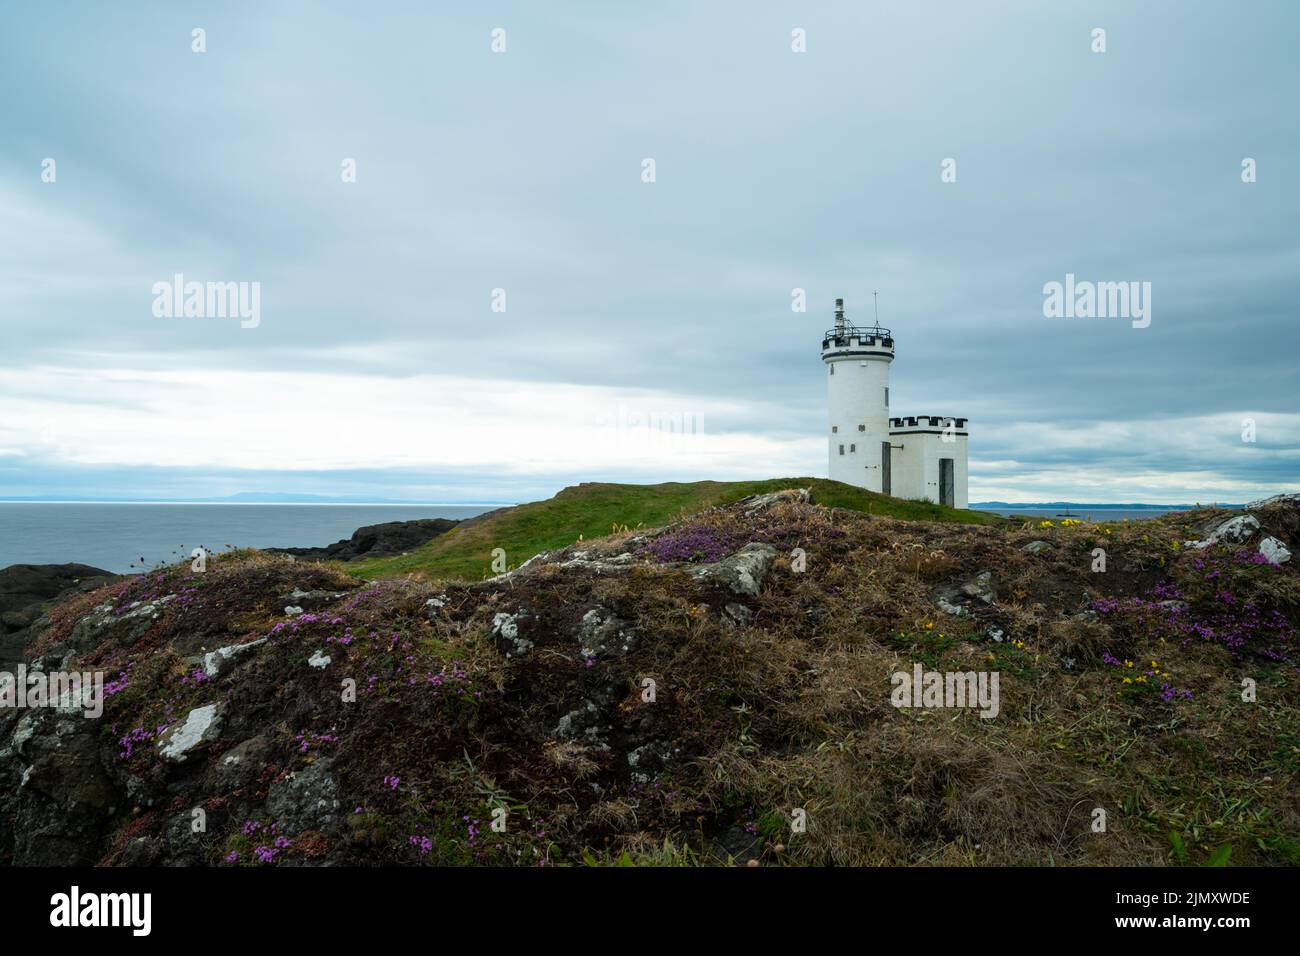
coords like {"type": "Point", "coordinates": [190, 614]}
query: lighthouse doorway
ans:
{"type": "Point", "coordinates": [945, 482]}
{"type": "Point", "coordinates": [886, 486]}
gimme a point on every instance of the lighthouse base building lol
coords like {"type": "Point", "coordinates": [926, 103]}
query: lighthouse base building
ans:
{"type": "Point", "coordinates": [921, 457]}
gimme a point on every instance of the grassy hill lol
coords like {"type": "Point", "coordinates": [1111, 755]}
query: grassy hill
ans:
{"type": "Point", "coordinates": [592, 510]}
{"type": "Point", "coordinates": [771, 691]}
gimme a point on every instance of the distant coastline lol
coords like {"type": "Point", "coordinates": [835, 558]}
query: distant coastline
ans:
{"type": "Point", "coordinates": [253, 498]}
{"type": "Point", "coordinates": [1131, 506]}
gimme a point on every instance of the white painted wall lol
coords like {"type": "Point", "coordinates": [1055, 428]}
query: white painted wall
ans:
{"type": "Point", "coordinates": [909, 468]}
{"type": "Point", "coordinates": [856, 400]}
{"type": "Point", "coordinates": [916, 470]}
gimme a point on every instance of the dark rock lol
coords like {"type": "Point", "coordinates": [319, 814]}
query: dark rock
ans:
{"type": "Point", "coordinates": [648, 760]}
{"type": "Point", "coordinates": [58, 793]}
{"type": "Point", "coordinates": [25, 589]}
{"type": "Point", "coordinates": [738, 844]}
{"type": "Point", "coordinates": [736, 615]}
{"type": "Point", "coordinates": [22, 585]}
{"type": "Point", "coordinates": [122, 626]}
{"type": "Point", "coordinates": [954, 598]}
{"type": "Point", "coordinates": [305, 800]}
{"type": "Point", "coordinates": [239, 766]}
{"type": "Point", "coordinates": [376, 540]}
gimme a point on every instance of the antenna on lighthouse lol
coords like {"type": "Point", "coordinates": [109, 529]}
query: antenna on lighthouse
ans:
{"type": "Point", "coordinates": [875, 299]}
{"type": "Point", "coordinates": [839, 315]}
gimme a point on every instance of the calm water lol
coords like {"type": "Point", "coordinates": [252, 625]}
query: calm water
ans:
{"type": "Point", "coordinates": [115, 536]}
{"type": "Point", "coordinates": [1085, 514]}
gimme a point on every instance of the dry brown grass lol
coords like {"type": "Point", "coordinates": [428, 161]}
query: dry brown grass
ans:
{"type": "Point", "coordinates": [790, 711]}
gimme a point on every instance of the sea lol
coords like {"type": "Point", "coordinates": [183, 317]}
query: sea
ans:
{"type": "Point", "coordinates": [126, 538]}
{"type": "Point", "coordinates": [1081, 512]}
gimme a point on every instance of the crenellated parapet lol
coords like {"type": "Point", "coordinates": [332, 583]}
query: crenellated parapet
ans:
{"type": "Point", "coordinates": [927, 421]}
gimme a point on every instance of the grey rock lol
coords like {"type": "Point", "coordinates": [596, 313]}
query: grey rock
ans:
{"type": "Point", "coordinates": [742, 573]}
{"type": "Point", "coordinates": [601, 634]}
{"type": "Point", "coordinates": [125, 627]}
{"type": "Point", "coordinates": [648, 760]}
{"type": "Point", "coordinates": [981, 587]}
{"type": "Point", "coordinates": [948, 607]}
{"type": "Point", "coordinates": [585, 722]}
{"type": "Point", "coordinates": [1234, 531]}
{"type": "Point", "coordinates": [310, 600]}
{"type": "Point", "coordinates": [1274, 551]}
{"type": "Point", "coordinates": [239, 766]}
{"type": "Point", "coordinates": [1291, 498]}
{"type": "Point", "coordinates": [736, 615]}
{"type": "Point", "coordinates": [1035, 547]}
{"type": "Point", "coordinates": [214, 662]}
{"type": "Point", "coordinates": [202, 725]}
{"type": "Point", "coordinates": [305, 800]}
{"type": "Point", "coordinates": [506, 630]}
{"type": "Point", "coordinates": [756, 503]}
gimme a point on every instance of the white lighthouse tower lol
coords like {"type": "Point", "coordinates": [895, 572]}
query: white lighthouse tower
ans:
{"type": "Point", "coordinates": [857, 374]}
{"type": "Point", "coordinates": [921, 457]}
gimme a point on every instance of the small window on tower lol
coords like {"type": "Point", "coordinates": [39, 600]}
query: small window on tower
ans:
{"type": "Point", "coordinates": [841, 449]}
{"type": "Point", "coordinates": [862, 428]}
{"type": "Point", "coordinates": [886, 396]}
{"type": "Point", "coordinates": [853, 448]}
{"type": "Point", "coordinates": [835, 428]}
{"type": "Point", "coordinates": [832, 368]}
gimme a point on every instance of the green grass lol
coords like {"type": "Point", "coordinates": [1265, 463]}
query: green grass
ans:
{"type": "Point", "coordinates": [594, 510]}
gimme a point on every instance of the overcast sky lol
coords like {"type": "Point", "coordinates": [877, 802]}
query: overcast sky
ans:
{"type": "Point", "coordinates": [380, 368]}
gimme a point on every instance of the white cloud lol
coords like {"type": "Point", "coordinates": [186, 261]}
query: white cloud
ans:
{"type": "Point", "coordinates": [294, 421]}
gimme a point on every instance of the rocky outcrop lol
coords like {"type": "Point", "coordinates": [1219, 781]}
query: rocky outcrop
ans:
{"type": "Point", "coordinates": [755, 503]}
{"type": "Point", "coordinates": [1274, 551]}
{"type": "Point", "coordinates": [959, 598]}
{"type": "Point", "coordinates": [741, 573]}
{"type": "Point", "coordinates": [305, 800]}
{"type": "Point", "coordinates": [59, 797]}
{"type": "Point", "coordinates": [26, 588]}
{"type": "Point", "coordinates": [614, 697]}
{"type": "Point", "coordinates": [376, 541]}
{"type": "Point", "coordinates": [1290, 498]}
{"type": "Point", "coordinates": [601, 634]}
{"type": "Point", "coordinates": [202, 725]}
{"type": "Point", "coordinates": [1233, 531]}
